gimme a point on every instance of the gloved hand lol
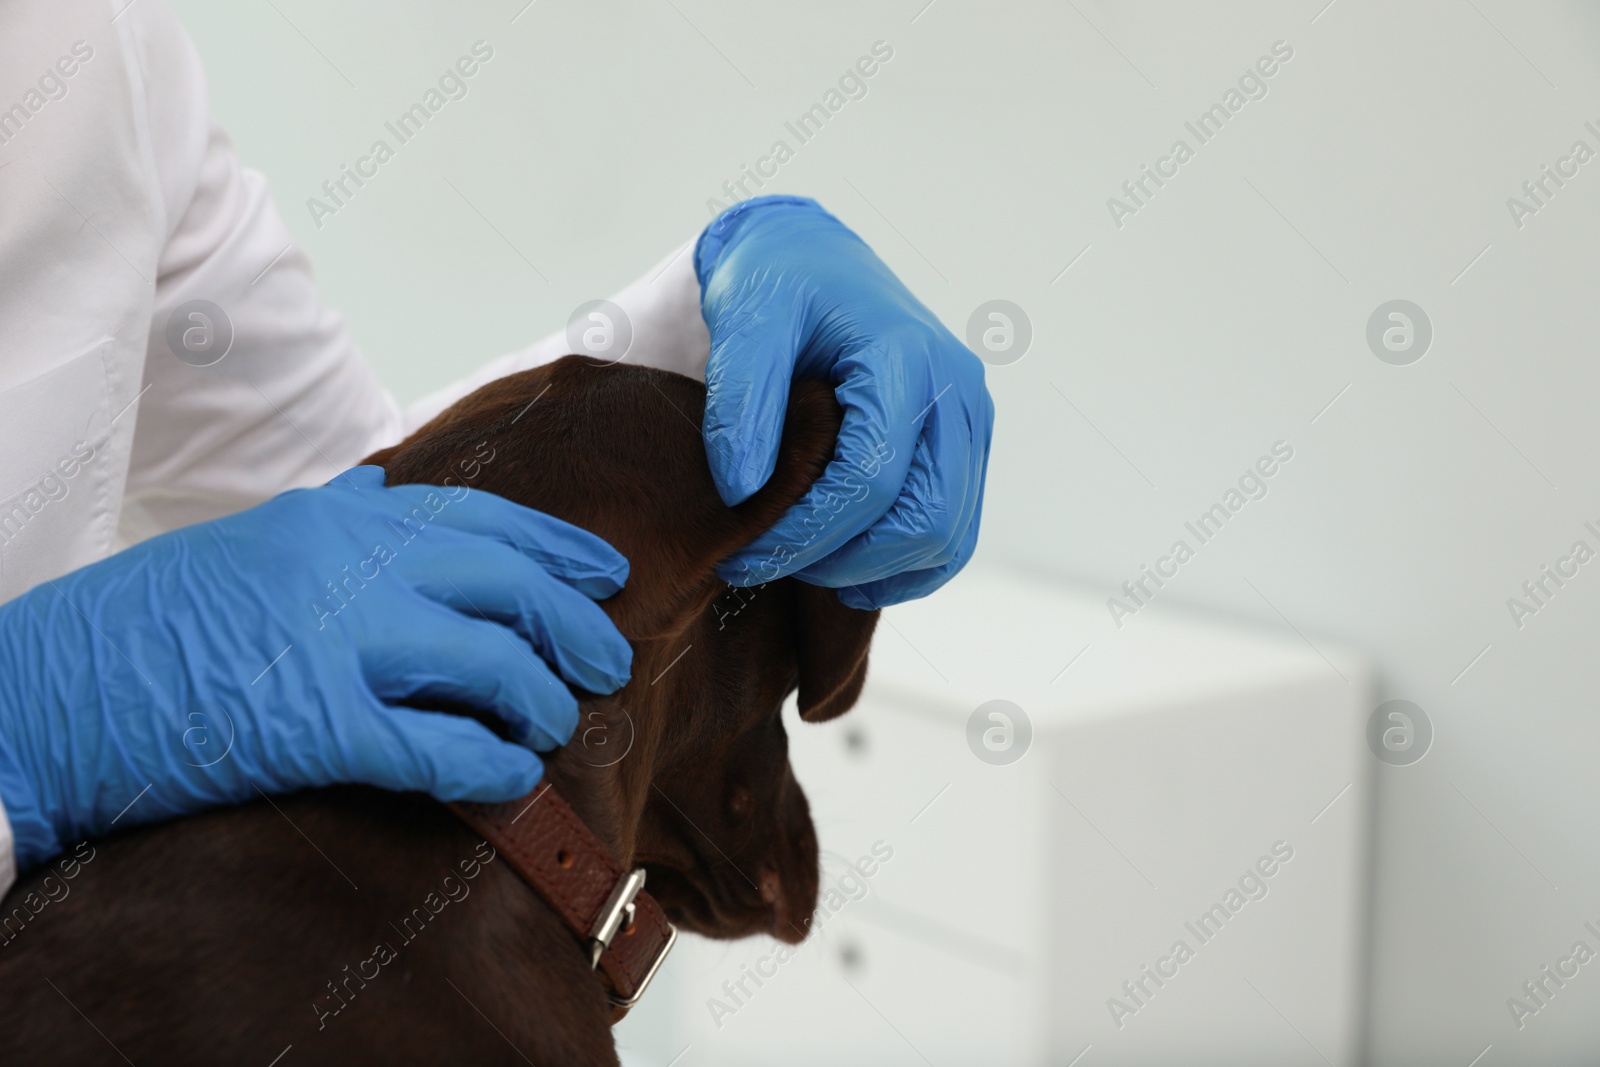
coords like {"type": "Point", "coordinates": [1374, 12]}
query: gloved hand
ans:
{"type": "Point", "coordinates": [274, 650]}
{"type": "Point", "coordinates": [788, 290]}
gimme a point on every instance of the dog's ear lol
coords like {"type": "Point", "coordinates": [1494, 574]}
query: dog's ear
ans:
{"type": "Point", "coordinates": [831, 652]}
{"type": "Point", "coordinates": [617, 450]}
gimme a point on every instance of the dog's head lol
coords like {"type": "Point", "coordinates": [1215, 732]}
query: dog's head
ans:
{"type": "Point", "coordinates": [685, 770]}
{"type": "Point", "coordinates": [727, 837]}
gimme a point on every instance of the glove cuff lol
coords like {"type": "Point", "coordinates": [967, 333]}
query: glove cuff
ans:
{"type": "Point", "coordinates": [33, 838]}
{"type": "Point", "coordinates": [720, 232]}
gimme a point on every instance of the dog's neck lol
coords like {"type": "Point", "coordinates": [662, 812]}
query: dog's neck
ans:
{"type": "Point", "coordinates": [606, 771]}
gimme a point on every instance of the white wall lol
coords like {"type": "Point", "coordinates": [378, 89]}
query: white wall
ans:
{"type": "Point", "coordinates": [1222, 317]}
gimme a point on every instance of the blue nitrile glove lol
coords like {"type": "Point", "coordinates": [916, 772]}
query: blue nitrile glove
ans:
{"type": "Point", "coordinates": [787, 290]}
{"type": "Point", "coordinates": [273, 650]}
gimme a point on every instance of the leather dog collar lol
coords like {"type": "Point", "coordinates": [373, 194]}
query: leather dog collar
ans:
{"type": "Point", "coordinates": [623, 929]}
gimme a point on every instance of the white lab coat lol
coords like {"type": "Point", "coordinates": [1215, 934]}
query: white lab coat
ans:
{"type": "Point", "coordinates": [120, 200]}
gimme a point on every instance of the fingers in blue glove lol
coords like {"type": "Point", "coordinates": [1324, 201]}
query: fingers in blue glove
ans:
{"type": "Point", "coordinates": [449, 757]}
{"type": "Point", "coordinates": [857, 488]}
{"type": "Point", "coordinates": [747, 390]}
{"type": "Point", "coordinates": [565, 628]}
{"type": "Point", "coordinates": [935, 514]}
{"type": "Point", "coordinates": [366, 476]}
{"type": "Point", "coordinates": [910, 585]}
{"type": "Point", "coordinates": [446, 656]}
{"type": "Point", "coordinates": [576, 556]}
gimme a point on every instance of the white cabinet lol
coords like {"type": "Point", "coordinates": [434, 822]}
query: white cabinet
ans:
{"type": "Point", "coordinates": [1187, 781]}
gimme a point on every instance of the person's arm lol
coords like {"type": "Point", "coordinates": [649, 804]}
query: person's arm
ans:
{"type": "Point", "coordinates": [213, 663]}
{"type": "Point", "coordinates": [264, 390]}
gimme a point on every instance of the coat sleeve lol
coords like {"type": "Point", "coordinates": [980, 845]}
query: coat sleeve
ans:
{"type": "Point", "coordinates": [251, 384]}
{"type": "Point", "coordinates": [293, 401]}
{"type": "Point", "coordinates": [662, 311]}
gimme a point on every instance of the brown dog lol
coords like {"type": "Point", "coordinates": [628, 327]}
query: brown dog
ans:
{"type": "Point", "coordinates": [362, 926]}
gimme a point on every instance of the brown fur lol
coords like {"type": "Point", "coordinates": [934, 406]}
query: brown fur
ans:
{"type": "Point", "coordinates": [227, 936]}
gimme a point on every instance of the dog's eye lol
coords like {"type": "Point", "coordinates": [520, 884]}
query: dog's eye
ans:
{"type": "Point", "coordinates": [739, 800]}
